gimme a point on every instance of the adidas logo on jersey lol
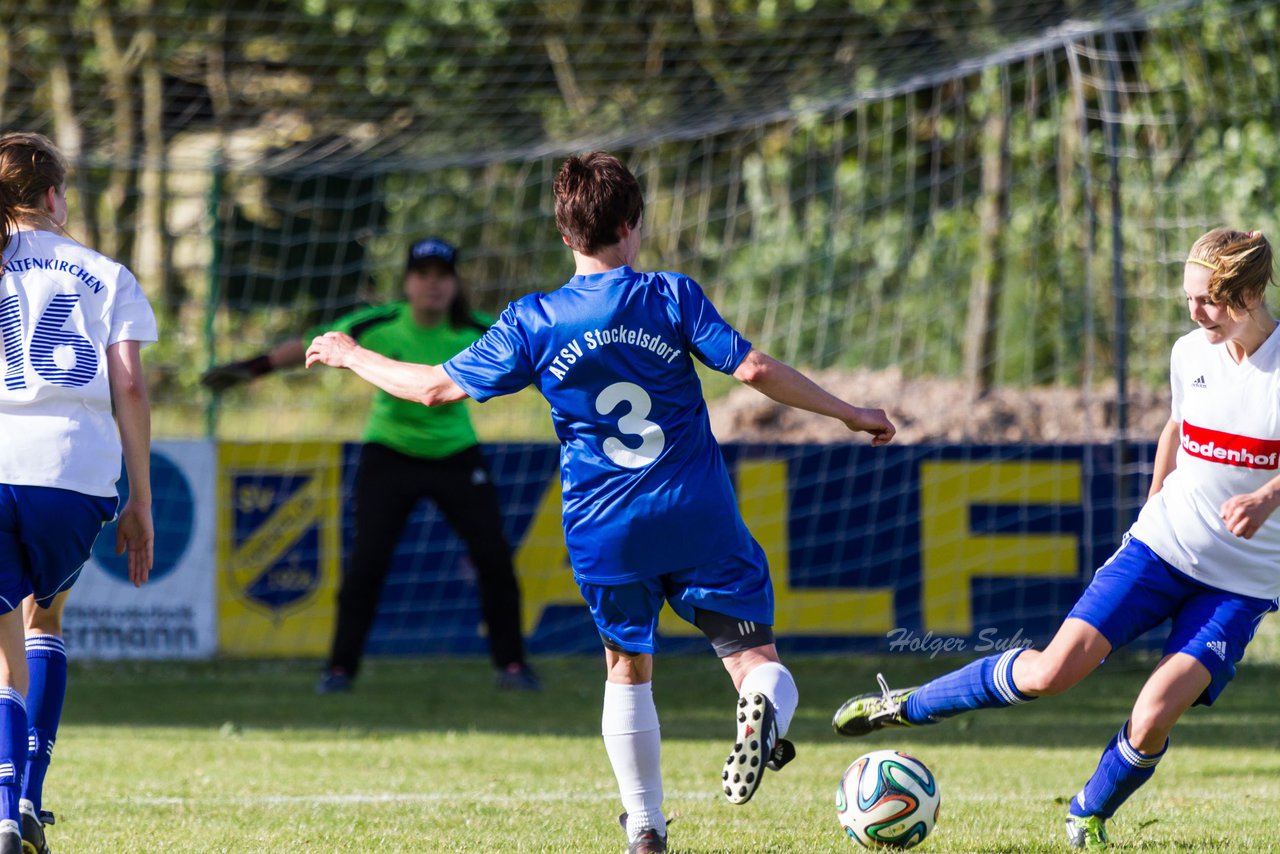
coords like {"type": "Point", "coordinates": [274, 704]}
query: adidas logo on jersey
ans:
{"type": "Point", "coordinates": [1199, 382]}
{"type": "Point", "coordinates": [1218, 648]}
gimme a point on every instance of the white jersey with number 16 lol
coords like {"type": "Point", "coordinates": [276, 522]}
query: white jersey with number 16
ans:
{"type": "Point", "coordinates": [61, 306]}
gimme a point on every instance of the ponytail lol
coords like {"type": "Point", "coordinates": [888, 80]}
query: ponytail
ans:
{"type": "Point", "coordinates": [29, 165]}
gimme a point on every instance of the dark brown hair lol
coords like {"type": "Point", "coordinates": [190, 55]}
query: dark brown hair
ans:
{"type": "Point", "coordinates": [29, 165]}
{"type": "Point", "coordinates": [595, 196]}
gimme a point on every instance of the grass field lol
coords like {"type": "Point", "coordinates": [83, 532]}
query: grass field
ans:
{"type": "Point", "coordinates": [427, 756]}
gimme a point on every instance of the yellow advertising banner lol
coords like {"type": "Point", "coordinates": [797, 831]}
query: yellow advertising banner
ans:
{"type": "Point", "coordinates": [279, 547]}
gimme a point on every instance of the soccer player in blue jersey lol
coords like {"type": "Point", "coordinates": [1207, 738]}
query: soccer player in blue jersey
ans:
{"type": "Point", "coordinates": [649, 511]}
{"type": "Point", "coordinates": [72, 323]}
{"type": "Point", "coordinates": [1204, 552]}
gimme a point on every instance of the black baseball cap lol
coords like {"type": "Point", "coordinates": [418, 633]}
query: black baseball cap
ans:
{"type": "Point", "coordinates": [432, 249]}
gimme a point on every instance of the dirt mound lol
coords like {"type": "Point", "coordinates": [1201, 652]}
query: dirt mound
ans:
{"type": "Point", "coordinates": [930, 410]}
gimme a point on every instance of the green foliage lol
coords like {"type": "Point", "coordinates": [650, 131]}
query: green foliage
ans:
{"type": "Point", "coordinates": [816, 164]}
{"type": "Point", "coordinates": [426, 755]}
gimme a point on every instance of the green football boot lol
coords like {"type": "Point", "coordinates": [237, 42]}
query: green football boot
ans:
{"type": "Point", "coordinates": [869, 712]}
{"type": "Point", "coordinates": [1087, 831]}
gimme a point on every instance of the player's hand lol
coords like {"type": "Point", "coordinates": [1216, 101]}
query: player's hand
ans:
{"type": "Point", "coordinates": [223, 377]}
{"type": "Point", "coordinates": [335, 349]}
{"type": "Point", "coordinates": [1244, 514]}
{"type": "Point", "coordinates": [136, 533]}
{"type": "Point", "coordinates": [875, 422]}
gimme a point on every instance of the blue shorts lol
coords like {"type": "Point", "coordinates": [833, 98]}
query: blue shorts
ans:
{"type": "Point", "coordinates": [737, 586]}
{"type": "Point", "coordinates": [46, 535]}
{"type": "Point", "coordinates": [1137, 590]}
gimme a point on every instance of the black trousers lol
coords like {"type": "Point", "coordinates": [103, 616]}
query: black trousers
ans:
{"type": "Point", "coordinates": [388, 486]}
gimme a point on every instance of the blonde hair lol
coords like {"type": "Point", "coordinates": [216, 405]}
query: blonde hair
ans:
{"type": "Point", "coordinates": [29, 165]}
{"type": "Point", "coordinates": [1240, 265]}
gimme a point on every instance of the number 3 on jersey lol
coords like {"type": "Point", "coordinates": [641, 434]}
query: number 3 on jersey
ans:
{"type": "Point", "coordinates": [633, 423]}
{"type": "Point", "coordinates": [47, 338]}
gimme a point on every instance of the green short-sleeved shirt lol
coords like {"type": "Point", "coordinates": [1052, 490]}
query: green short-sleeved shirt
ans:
{"type": "Point", "coordinates": [411, 428]}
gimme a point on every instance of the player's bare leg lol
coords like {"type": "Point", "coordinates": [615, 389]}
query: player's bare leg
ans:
{"type": "Point", "coordinates": [1075, 651]}
{"type": "Point", "coordinates": [1173, 687]}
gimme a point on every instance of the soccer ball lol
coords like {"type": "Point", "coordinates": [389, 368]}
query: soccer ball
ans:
{"type": "Point", "coordinates": [887, 799]}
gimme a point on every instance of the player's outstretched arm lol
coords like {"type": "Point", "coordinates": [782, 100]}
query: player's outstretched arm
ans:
{"type": "Point", "coordinates": [426, 384]}
{"type": "Point", "coordinates": [135, 530]}
{"type": "Point", "coordinates": [783, 383]}
{"type": "Point", "coordinates": [225, 376]}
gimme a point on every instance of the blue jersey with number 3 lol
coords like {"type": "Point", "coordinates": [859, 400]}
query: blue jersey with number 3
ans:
{"type": "Point", "coordinates": [645, 488]}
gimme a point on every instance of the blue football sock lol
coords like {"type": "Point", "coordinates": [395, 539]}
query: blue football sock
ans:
{"type": "Point", "coordinates": [983, 684]}
{"type": "Point", "coordinates": [1121, 770]}
{"type": "Point", "coordinates": [47, 661]}
{"type": "Point", "coordinates": [13, 751]}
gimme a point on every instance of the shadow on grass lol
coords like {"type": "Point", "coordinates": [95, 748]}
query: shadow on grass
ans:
{"type": "Point", "coordinates": [694, 696]}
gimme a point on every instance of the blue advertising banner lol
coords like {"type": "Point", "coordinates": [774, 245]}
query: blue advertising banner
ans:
{"type": "Point", "coordinates": [931, 548]}
{"type": "Point", "coordinates": [173, 614]}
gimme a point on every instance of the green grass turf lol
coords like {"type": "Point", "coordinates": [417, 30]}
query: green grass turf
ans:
{"type": "Point", "coordinates": [427, 756]}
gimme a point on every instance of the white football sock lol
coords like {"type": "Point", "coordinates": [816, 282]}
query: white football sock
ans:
{"type": "Point", "coordinates": [775, 682]}
{"type": "Point", "coordinates": [633, 741]}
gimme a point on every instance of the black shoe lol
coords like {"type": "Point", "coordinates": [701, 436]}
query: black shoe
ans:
{"type": "Point", "coordinates": [10, 837]}
{"type": "Point", "coordinates": [334, 682]}
{"type": "Point", "coordinates": [783, 752]}
{"type": "Point", "coordinates": [33, 825]}
{"type": "Point", "coordinates": [518, 677]}
{"type": "Point", "coordinates": [650, 841]}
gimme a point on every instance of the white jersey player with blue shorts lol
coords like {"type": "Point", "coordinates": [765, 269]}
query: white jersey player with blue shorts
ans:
{"type": "Point", "coordinates": [1229, 445]}
{"type": "Point", "coordinates": [1204, 553]}
{"type": "Point", "coordinates": [61, 307]}
{"type": "Point", "coordinates": [650, 516]}
{"type": "Point", "coordinates": [72, 402]}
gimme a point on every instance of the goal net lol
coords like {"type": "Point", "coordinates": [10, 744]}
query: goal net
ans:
{"type": "Point", "coordinates": [972, 215]}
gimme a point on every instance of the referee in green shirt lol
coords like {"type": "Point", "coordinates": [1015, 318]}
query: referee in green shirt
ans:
{"type": "Point", "coordinates": [413, 452]}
